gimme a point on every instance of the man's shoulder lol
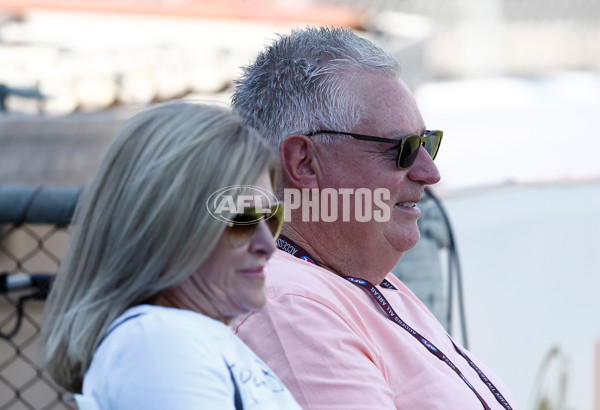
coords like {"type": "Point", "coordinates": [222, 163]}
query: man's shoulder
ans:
{"type": "Point", "coordinates": [302, 295]}
{"type": "Point", "coordinates": [288, 275]}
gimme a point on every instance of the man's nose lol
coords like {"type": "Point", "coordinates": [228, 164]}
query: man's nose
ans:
{"type": "Point", "coordinates": [424, 170]}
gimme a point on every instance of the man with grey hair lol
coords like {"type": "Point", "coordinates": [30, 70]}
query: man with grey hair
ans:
{"type": "Point", "coordinates": [338, 328]}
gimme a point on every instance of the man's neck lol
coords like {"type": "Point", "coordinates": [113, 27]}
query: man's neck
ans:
{"type": "Point", "coordinates": [327, 253]}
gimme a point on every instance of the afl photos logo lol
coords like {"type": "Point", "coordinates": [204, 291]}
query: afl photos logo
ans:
{"type": "Point", "coordinates": [225, 203]}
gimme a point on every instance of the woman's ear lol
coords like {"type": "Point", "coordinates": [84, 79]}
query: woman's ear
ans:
{"type": "Point", "coordinates": [298, 162]}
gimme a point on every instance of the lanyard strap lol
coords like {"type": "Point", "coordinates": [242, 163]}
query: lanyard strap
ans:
{"type": "Point", "coordinates": [294, 249]}
{"type": "Point", "coordinates": [287, 245]}
{"type": "Point", "coordinates": [393, 316]}
{"type": "Point", "coordinates": [483, 377]}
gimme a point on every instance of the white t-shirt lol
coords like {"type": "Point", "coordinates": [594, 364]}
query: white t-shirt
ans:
{"type": "Point", "coordinates": [164, 358]}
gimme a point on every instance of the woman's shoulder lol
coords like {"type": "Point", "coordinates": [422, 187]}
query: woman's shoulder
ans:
{"type": "Point", "coordinates": [156, 329]}
{"type": "Point", "coordinates": [146, 341]}
{"type": "Point", "coordinates": [166, 317]}
{"type": "Point", "coordinates": [152, 356]}
{"type": "Point", "coordinates": [149, 361]}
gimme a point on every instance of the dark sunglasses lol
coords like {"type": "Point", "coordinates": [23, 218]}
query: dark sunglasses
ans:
{"type": "Point", "coordinates": [408, 147]}
{"type": "Point", "coordinates": [243, 225]}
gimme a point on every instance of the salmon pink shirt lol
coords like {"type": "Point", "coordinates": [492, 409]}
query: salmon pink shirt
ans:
{"type": "Point", "coordinates": [334, 348]}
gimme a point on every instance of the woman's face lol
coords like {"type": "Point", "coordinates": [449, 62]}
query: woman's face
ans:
{"type": "Point", "coordinates": [230, 282]}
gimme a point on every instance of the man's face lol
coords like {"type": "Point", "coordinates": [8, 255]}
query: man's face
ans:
{"type": "Point", "coordinates": [390, 112]}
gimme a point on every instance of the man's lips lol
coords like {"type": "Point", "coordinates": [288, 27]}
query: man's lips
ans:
{"type": "Point", "coordinates": [409, 201]}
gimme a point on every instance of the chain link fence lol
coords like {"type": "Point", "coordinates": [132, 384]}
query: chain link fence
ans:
{"type": "Point", "coordinates": [33, 235]}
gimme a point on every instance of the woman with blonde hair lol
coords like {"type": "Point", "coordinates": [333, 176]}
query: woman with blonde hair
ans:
{"type": "Point", "coordinates": [139, 312]}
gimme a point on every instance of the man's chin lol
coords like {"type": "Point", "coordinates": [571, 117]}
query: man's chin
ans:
{"type": "Point", "coordinates": [407, 241]}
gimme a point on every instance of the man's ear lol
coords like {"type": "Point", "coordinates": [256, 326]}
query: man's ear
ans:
{"type": "Point", "coordinates": [298, 162]}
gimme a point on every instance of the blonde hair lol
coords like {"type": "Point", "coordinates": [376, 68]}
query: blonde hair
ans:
{"type": "Point", "coordinates": [141, 224]}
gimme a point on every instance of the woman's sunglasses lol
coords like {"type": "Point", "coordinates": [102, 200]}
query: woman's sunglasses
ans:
{"type": "Point", "coordinates": [408, 147]}
{"type": "Point", "coordinates": [243, 225]}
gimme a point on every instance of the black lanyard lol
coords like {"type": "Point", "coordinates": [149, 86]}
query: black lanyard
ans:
{"type": "Point", "coordinates": [291, 247]}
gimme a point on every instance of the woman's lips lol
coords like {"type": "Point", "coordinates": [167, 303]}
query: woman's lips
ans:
{"type": "Point", "coordinates": [257, 271]}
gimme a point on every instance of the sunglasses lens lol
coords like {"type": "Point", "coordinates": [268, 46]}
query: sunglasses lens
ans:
{"type": "Point", "coordinates": [275, 221]}
{"type": "Point", "coordinates": [244, 225]}
{"type": "Point", "coordinates": [409, 150]}
{"type": "Point", "coordinates": [432, 145]}
{"type": "Point", "coordinates": [242, 229]}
